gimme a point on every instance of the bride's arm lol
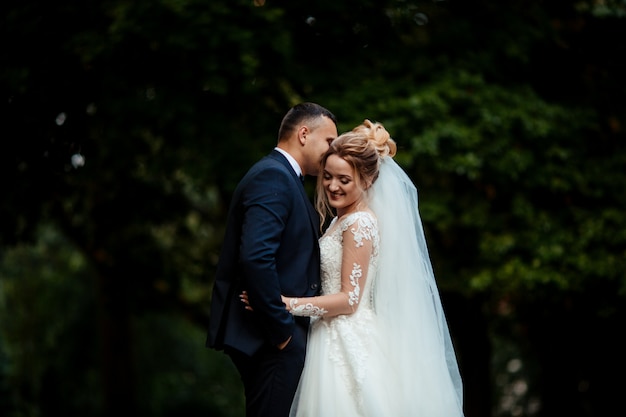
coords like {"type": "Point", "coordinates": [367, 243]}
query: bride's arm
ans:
{"type": "Point", "coordinates": [356, 252]}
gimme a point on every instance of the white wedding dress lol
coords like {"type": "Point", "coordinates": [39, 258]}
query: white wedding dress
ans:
{"type": "Point", "coordinates": [368, 364]}
{"type": "Point", "coordinates": [343, 362]}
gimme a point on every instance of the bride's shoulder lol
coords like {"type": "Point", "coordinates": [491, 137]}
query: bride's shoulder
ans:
{"type": "Point", "coordinates": [366, 217]}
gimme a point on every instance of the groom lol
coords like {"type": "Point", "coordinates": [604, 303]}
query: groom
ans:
{"type": "Point", "coordinates": [271, 248]}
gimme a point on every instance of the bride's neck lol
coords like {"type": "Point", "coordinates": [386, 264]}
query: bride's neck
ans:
{"type": "Point", "coordinates": [353, 208]}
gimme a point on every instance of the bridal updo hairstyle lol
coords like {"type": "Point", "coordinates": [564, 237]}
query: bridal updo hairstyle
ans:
{"type": "Point", "coordinates": [363, 148]}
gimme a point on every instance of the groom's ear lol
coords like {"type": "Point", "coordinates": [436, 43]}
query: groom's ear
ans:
{"type": "Point", "coordinates": [302, 132]}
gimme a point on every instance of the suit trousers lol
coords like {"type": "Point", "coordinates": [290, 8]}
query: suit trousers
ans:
{"type": "Point", "coordinates": [270, 376]}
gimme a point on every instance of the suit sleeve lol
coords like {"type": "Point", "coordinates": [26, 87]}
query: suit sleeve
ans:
{"type": "Point", "coordinates": [267, 206]}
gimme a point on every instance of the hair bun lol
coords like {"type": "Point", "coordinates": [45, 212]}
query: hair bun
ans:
{"type": "Point", "coordinates": [379, 137]}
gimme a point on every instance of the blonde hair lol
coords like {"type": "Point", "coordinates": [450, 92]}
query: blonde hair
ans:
{"type": "Point", "coordinates": [363, 148]}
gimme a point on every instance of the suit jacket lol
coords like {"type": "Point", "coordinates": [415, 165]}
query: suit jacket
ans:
{"type": "Point", "coordinates": [270, 248]}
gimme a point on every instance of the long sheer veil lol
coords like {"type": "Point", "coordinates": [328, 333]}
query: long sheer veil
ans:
{"type": "Point", "coordinates": [417, 341]}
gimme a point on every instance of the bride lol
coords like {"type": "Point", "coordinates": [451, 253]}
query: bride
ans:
{"type": "Point", "coordinates": [379, 344]}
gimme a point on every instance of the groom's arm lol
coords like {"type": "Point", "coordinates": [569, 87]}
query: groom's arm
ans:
{"type": "Point", "coordinates": [267, 206]}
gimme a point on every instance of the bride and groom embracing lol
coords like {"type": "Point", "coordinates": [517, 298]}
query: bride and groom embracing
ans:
{"type": "Point", "coordinates": [349, 324]}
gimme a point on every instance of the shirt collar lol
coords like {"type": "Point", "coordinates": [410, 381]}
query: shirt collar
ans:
{"type": "Point", "coordinates": [291, 160]}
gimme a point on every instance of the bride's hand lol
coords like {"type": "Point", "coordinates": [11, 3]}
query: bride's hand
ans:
{"type": "Point", "coordinates": [244, 299]}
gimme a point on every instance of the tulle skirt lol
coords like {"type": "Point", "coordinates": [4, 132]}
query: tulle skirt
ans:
{"type": "Point", "coordinates": [348, 373]}
{"type": "Point", "coordinates": [342, 369]}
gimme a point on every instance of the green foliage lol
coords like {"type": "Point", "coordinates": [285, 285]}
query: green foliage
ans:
{"type": "Point", "coordinates": [49, 350]}
{"type": "Point", "coordinates": [177, 375]}
{"type": "Point", "coordinates": [47, 328]}
{"type": "Point", "coordinates": [518, 181]}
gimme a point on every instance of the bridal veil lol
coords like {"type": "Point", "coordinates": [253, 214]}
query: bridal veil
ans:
{"type": "Point", "coordinates": [424, 373]}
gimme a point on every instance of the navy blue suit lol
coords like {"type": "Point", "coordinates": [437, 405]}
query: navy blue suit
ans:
{"type": "Point", "coordinates": [270, 248]}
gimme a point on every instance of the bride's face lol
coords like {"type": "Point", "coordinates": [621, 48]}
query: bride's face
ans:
{"type": "Point", "coordinates": [341, 186]}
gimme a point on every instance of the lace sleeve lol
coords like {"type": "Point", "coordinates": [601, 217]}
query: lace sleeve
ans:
{"type": "Point", "coordinates": [357, 231]}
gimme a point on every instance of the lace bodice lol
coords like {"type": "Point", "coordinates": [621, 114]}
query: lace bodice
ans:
{"type": "Point", "coordinates": [363, 225]}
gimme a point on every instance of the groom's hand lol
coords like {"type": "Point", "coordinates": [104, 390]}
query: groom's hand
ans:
{"type": "Point", "coordinates": [244, 299]}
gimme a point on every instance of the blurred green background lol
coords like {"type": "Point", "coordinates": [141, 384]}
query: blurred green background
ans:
{"type": "Point", "coordinates": [127, 124]}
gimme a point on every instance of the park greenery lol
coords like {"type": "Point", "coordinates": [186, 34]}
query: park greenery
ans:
{"type": "Point", "coordinates": [127, 124]}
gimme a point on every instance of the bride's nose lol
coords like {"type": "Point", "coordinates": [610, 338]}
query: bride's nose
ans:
{"type": "Point", "coordinates": [332, 186]}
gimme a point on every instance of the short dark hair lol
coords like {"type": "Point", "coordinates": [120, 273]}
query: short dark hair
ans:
{"type": "Point", "coordinates": [298, 114]}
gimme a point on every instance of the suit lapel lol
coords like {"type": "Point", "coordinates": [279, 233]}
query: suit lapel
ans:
{"type": "Point", "coordinates": [312, 213]}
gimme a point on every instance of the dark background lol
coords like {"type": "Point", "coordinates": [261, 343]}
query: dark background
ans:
{"type": "Point", "coordinates": [125, 125]}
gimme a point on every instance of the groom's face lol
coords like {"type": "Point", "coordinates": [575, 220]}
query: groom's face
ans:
{"type": "Point", "coordinates": [317, 143]}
